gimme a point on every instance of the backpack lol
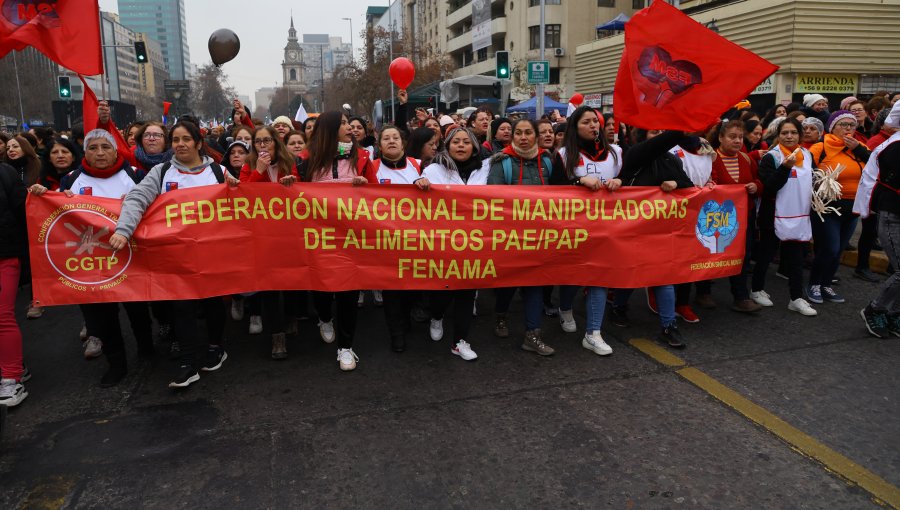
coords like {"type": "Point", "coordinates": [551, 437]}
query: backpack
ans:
{"type": "Point", "coordinates": [216, 170]}
{"type": "Point", "coordinates": [507, 166]}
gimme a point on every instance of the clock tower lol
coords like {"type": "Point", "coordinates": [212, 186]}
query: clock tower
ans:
{"type": "Point", "coordinates": [292, 66]}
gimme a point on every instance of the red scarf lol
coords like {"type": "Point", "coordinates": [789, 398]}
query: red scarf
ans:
{"type": "Point", "coordinates": [511, 152]}
{"type": "Point", "coordinates": [107, 172]}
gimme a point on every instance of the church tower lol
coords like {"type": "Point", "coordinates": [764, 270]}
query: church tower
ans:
{"type": "Point", "coordinates": [292, 65]}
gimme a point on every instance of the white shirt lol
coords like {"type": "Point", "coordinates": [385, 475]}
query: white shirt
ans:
{"type": "Point", "coordinates": [114, 186]}
{"type": "Point", "coordinates": [437, 174]}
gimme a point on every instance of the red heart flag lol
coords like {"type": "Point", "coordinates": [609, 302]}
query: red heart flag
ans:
{"type": "Point", "coordinates": [67, 31]}
{"type": "Point", "coordinates": [677, 74]}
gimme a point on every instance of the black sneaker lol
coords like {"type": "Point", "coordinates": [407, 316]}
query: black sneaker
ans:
{"type": "Point", "coordinates": [618, 315]}
{"type": "Point", "coordinates": [671, 336]}
{"type": "Point", "coordinates": [893, 325]}
{"type": "Point", "coordinates": [398, 343]}
{"type": "Point", "coordinates": [876, 322]}
{"type": "Point", "coordinates": [866, 275]}
{"type": "Point", "coordinates": [215, 356]}
{"type": "Point", "coordinates": [185, 377]}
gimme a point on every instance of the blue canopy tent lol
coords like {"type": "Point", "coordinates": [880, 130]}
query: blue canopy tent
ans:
{"type": "Point", "coordinates": [617, 23]}
{"type": "Point", "coordinates": [530, 107]}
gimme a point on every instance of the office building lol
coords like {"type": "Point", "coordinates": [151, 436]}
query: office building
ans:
{"type": "Point", "coordinates": [164, 21]}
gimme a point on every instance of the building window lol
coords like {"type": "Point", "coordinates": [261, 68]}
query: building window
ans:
{"type": "Point", "coordinates": [606, 3]}
{"type": "Point", "coordinates": [482, 54]}
{"type": "Point", "coordinates": [552, 36]}
{"type": "Point", "coordinates": [637, 4]}
{"type": "Point", "coordinates": [536, 3]}
{"type": "Point", "coordinates": [293, 75]}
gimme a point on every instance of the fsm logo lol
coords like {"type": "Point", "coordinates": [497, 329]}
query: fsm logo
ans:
{"type": "Point", "coordinates": [717, 225]}
{"type": "Point", "coordinates": [20, 12]}
{"type": "Point", "coordinates": [77, 246]}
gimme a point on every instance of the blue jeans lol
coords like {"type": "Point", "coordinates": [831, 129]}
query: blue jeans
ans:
{"type": "Point", "coordinates": [665, 302]}
{"type": "Point", "coordinates": [830, 236]}
{"type": "Point", "coordinates": [594, 304]}
{"type": "Point", "coordinates": [534, 306]}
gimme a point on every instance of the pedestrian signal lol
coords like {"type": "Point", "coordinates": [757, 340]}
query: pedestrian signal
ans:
{"type": "Point", "coordinates": [140, 51]}
{"type": "Point", "coordinates": [65, 89]}
{"type": "Point", "coordinates": [502, 64]}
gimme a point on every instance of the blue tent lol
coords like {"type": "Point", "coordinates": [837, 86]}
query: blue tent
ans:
{"type": "Point", "coordinates": [617, 23]}
{"type": "Point", "coordinates": [530, 107]}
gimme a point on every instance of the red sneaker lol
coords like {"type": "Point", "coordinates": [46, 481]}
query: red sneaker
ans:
{"type": "Point", "coordinates": [686, 314]}
{"type": "Point", "coordinates": [651, 301]}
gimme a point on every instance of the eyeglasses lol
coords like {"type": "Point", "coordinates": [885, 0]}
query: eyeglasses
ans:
{"type": "Point", "coordinates": [152, 136]}
{"type": "Point", "coordinates": [857, 110]}
{"type": "Point", "coordinates": [264, 141]}
{"type": "Point", "coordinates": [846, 125]}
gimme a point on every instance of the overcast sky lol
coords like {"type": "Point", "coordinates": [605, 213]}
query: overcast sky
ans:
{"type": "Point", "coordinates": [262, 26]}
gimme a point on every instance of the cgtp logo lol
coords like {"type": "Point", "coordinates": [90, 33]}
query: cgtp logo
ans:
{"type": "Point", "coordinates": [77, 246]}
{"type": "Point", "coordinates": [717, 225]}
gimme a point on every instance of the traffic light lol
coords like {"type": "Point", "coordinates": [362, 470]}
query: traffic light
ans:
{"type": "Point", "coordinates": [497, 90]}
{"type": "Point", "coordinates": [140, 52]}
{"type": "Point", "coordinates": [502, 64]}
{"type": "Point", "coordinates": [65, 89]}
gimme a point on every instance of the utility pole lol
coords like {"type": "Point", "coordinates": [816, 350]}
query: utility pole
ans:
{"type": "Point", "coordinates": [351, 37]}
{"type": "Point", "coordinates": [539, 106]}
{"type": "Point", "coordinates": [393, 99]}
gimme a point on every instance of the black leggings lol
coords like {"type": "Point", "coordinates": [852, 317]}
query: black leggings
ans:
{"type": "Point", "coordinates": [193, 345]}
{"type": "Point", "coordinates": [102, 321]}
{"type": "Point", "coordinates": [463, 300]}
{"type": "Point", "coordinates": [791, 260]}
{"type": "Point", "coordinates": [346, 313]}
{"type": "Point", "coordinates": [397, 306]}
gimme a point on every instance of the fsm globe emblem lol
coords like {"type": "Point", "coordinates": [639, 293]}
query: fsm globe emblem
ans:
{"type": "Point", "coordinates": [77, 246]}
{"type": "Point", "coordinates": [717, 225]}
{"type": "Point", "coordinates": [20, 12]}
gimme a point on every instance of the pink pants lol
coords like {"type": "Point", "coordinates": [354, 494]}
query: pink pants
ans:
{"type": "Point", "coordinates": [10, 335]}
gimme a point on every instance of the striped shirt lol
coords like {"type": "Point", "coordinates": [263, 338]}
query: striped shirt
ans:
{"type": "Point", "coordinates": [731, 166]}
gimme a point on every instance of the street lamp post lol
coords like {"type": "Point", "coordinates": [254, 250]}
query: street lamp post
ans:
{"type": "Point", "coordinates": [351, 35]}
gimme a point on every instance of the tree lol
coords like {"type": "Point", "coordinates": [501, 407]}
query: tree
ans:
{"type": "Point", "coordinates": [211, 95]}
{"type": "Point", "coordinates": [37, 80]}
{"type": "Point", "coordinates": [360, 86]}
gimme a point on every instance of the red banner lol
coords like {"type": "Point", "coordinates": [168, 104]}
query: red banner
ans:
{"type": "Point", "coordinates": [677, 74]}
{"type": "Point", "coordinates": [216, 240]}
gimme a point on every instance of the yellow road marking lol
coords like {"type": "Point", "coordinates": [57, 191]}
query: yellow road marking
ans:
{"type": "Point", "coordinates": [50, 494]}
{"type": "Point", "coordinates": [883, 491]}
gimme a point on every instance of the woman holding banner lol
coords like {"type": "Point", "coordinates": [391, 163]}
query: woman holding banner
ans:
{"type": "Point", "coordinates": [270, 161]}
{"type": "Point", "coordinates": [649, 163]}
{"type": "Point", "coordinates": [105, 173]}
{"type": "Point", "coordinates": [395, 167]}
{"type": "Point", "coordinates": [189, 168]}
{"type": "Point", "coordinates": [12, 246]}
{"type": "Point", "coordinates": [522, 162]}
{"type": "Point", "coordinates": [586, 159]}
{"type": "Point", "coordinates": [783, 217]}
{"type": "Point", "coordinates": [334, 157]}
{"type": "Point", "coordinates": [459, 163]}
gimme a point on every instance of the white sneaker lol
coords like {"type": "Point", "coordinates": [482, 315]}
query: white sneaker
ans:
{"type": "Point", "coordinates": [801, 306]}
{"type": "Point", "coordinates": [255, 324]}
{"type": "Point", "coordinates": [347, 359]}
{"type": "Point", "coordinates": [12, 393]}
{"type": "Point", "coordinates": [437, 329]}
{"type": "Point", "coordinates": [83, 334]}
{"type": "Point", "coordinates": [326, 331]}
{"type": "Point", "coordinates": [362, 299]}
{"type": "Point", "coordinates": [464, 351]}
{"type": "Point", "coordinates": [762, 298]}
{"type": "Point", "coordinates": [93, 347]}
{"type": "Point", "coordinates": [237, 309]}
{"type": "Point", "coordinates": [567, 321]}
{"type": "Point", "coordinates": [379, 299]}
{"type": "Point", "coordinates": [594, 342]}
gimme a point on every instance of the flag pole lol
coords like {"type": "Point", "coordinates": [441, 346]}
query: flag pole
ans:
{"type": "Point", "coordinates": [102, 60]}
{"type": "Point", "coordinates": [18, 88]}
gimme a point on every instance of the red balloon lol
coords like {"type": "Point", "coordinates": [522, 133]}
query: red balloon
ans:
{"type": "Point", "coordinates": [576, 99]}
{"type": "Point", "coordinates": [402, 72]}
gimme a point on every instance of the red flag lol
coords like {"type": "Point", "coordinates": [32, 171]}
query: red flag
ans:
{"type": "Point", "coordinates": [89, 105]}
{"type": "Point", "coordinates": [677, 74]}
{"type": "Point", "coordinates": [67, 31]}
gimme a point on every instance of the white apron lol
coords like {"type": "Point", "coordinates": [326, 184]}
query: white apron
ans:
{"type": "Point", "coordinates": [606, 169]}
{"type": "Point", "coordinates": [794, 199]}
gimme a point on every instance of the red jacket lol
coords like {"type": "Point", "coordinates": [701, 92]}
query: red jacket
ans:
{"type": "Point", "coordinates": [748, 172]}
{"type": "Point", "coordinates": [251, 175]}
{"type": "Point", "coordinates": [878, 139]}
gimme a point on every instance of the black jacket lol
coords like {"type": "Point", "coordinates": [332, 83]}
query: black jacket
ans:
{"type": "Point", "coordinates": [13, 235]}
{"type": "Point", "coordinates": [649, 163]}
{"type": "Point", "coordinates": [884, 198]}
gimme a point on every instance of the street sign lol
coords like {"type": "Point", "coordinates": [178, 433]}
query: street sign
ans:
{"type": "Point", "coordinates": [539, 72]}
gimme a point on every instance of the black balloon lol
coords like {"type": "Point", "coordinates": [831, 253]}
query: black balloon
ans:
{"type": "Point", "coordinates": [224, 45]}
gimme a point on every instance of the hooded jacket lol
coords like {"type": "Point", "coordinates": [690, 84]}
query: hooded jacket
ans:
{"type": "Point", "coordinates": [524, 171]}
{"type": "Point", "coordinates": [12, 213]}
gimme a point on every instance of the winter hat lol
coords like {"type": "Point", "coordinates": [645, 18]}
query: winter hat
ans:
{"type": "Point", "coordinates": [846, 101]}
{"type": "Point", "coordinates": [810, 99]}
{"type": "Point", "coordinates": [814, 122]}
{"type": "Point", "coordinates": [283, 120]}
{"type": "Point", "coordinates": [99, 133]}
{"type": "Point", "coordinates": [445, 120]}
{"type": "Point", "coordinates": [893, 118]}
{"type": "Point", "coordinates": [837, 116]}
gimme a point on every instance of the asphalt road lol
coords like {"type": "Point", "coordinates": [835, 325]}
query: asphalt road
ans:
{"type": "Point", "coordinates": [424, 429]}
